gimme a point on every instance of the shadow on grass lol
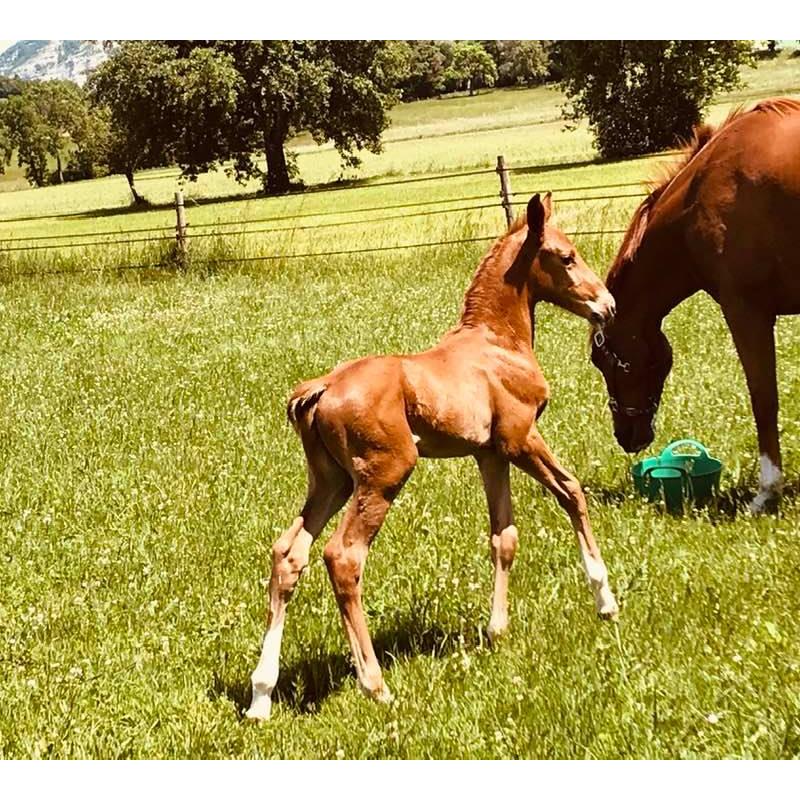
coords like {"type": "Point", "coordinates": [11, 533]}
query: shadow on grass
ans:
{"type": "Point", "coordinates": [608, 495]}
{"type": "Point", "coordinates": [726, 506]}
{"type": "Point", "coordinates": [304, 684]}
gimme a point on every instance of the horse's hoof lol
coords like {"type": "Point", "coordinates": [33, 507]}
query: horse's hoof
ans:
{"type": "Point", "coordinates": [765, 503]}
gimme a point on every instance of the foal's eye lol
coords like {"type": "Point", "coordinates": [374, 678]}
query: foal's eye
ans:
{"type": "Point", "coordinates": [567, 260]}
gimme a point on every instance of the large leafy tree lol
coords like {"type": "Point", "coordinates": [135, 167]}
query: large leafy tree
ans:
{"type": "Point", "coordinates": [47, 119]}
{"type": "Point", "coordinates": [643, 96]}
{"type": "Point", "coordinates": [427, 67]}
{"type": "Point", "coordinates": [520, 62]}
{"type": "Point", "coordinates": [471, 67]}
{"type": "Point", "coordinates": [338, 91]}
{"type": "Point", "coordinates": [163, 109]}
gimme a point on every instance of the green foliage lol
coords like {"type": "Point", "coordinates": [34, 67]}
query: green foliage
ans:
{"type": "Point", "coordinates": [643, 96]}
{"type": "Point", "coordinates": [426, 68]}
{"type": "Point", "coordinates": [9, 86]}
{"type": "Point", "coordinates": [520, 62]}
{"type": "Point", "coordinates": [47, 119]}
{"type": "Point", "coordinates": [471, 67]}
{"type": "Point", "coordinates": [337, 91]}
{"type": "Point", "coordinates": [163, 109]}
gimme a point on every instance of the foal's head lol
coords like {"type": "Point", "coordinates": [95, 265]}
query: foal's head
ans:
{"type": "Point", "coordinates": [558, 274]}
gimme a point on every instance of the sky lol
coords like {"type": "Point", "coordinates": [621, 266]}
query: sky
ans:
{"type": "Point", "coordinates": [4, 43]}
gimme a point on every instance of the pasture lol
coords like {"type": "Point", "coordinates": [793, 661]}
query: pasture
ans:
{"type": "Point", "coordinates": [146, 466]}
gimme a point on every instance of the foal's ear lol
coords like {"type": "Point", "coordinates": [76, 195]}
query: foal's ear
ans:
{"type": "Point", "coordinates": [538, 214]}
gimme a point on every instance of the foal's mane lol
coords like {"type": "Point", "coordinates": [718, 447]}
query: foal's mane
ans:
{"type": "Point", "coordinates": [701, 136]}
{"type": "Point", "coordinates": [482, 288]}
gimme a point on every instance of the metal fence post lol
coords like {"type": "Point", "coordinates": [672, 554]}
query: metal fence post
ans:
{"type": "Point", "coordinates": [505, 189]}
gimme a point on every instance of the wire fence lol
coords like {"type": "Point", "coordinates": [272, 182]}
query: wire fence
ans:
{"type": "Point", "coordinates": [181, 235]}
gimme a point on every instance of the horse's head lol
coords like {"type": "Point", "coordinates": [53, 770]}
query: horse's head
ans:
{"type": "Point", "coordinates": [635, 366]}
{"type": "Point", "coordinates": [559, 274]}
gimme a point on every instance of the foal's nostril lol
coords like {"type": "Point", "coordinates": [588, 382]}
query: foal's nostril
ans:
{"type": "Point", "coordinates": [597, 318]}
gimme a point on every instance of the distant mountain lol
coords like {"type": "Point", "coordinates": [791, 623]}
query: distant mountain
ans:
{"type": "Point", "coordinates": [70, 59]}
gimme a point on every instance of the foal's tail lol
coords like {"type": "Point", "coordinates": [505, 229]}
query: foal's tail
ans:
{"type": "Point", "coordinates": [303, 402]}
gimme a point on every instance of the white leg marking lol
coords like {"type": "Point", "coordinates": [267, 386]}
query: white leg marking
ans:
{"type": "Point", "coordinates": [770, 486]}
{"type": "Point", "coordinates": [597, 575]}
{"type": "Point", "coordinates": [505, 547]}
{"type": "Point", "coordinates": [265, 675]}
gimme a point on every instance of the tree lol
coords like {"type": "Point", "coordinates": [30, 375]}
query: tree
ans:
{"type": "Point", "coordinates": [643, 96]}
{"type": "Point", "coordinates": [471, 67]}
{"type": "Point", "coordinates": [203, 103]}
{"type": "Point", "coordinates": [9, 86]}
{"type": "Point", "coordinates": [5, 142]}
{"type": "Point", "coordinates": [520, 62]}
{"type": "Point", "coordinates": [163, 109]}
{"type": "Point", "coordinates": [45, 119]}
{"type": "Point", "coordinates": [338, 91]}
{"type": "Point", "coordinates": [427, 69]}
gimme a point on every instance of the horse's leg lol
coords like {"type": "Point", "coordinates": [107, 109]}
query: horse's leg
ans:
{"type": "Point", "coordinates": [328, 490]}
{"type": "Point", "coordinates": [535, 458]}
{"type": "Point", "coordinates": [503, 536]}
{"type": "Point", "coordinates": [754, 336]}
{"type": "Point", "coordinates": [381, 479]}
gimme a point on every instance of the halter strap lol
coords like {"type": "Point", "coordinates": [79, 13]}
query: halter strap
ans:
{"type": "Point", "coordinates": [627, 411]}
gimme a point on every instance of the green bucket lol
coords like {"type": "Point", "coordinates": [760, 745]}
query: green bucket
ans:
{"type": "Point", "coordinates": [683, 472]}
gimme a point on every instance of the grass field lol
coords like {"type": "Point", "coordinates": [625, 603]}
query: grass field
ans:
{"type": "Point", "coordinates": [146, 467]}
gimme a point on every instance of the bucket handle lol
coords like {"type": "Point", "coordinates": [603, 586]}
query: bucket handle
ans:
{"type": "Point", "coordinates": [669, 450]}
{"type": "Point", "coordinates": [682, 472]}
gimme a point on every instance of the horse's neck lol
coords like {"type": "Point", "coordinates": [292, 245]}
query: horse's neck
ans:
{"type": "Point", "coordinates": [652, 284]}
{"type": "Point", "coordinates": [498, 298]}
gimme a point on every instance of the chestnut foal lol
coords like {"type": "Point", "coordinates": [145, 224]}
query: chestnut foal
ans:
{"type": "Point", "coordinates": [477, 393]}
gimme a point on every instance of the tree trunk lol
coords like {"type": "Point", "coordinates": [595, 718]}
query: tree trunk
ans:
{"type": "Point", "coordinates": [277, 169]}
{"type": "Point", "coordinates": [137, 198]}
{"type": "Point", "coordinates": [469, 86]}
{"type": "Point", "coordinates": [59, 170]}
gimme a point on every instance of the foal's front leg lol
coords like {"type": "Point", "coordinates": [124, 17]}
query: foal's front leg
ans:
{"type": "Point", "coordinates": [503, 536]}
{"type": "Point", "coordinates": [535, 458]}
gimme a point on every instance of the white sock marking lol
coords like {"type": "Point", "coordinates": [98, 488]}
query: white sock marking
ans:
{"type": "Point", "coordinates": [770, 484]}
{"type": "Point", "coordinates": [265, 675]}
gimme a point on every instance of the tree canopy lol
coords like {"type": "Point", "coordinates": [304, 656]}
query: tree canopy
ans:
{"type": "Point", "coordinates": [46, 119]}
{"type": "Point", "coordinates": [471, 67]}
{"type": "Point", "coordinates": [164, 109]}
{"type": "Point", "coordinates": [643, 96]}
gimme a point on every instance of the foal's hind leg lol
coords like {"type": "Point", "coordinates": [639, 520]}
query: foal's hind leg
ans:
{"type": "Point", "coordinates": [382, 477]}
{"type": "Point", "coordinates": [503, 536]}
{"type": "Point", "coordinates": [329, 487]}
{"type": "Point", "coordinates": [535, 458]}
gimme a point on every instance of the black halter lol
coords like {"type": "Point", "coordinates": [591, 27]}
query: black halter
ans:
{"type": "Point", "coordinates": [627, 411]}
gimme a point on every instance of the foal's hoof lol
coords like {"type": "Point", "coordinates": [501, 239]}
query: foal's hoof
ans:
{"type": "Point", "coordinates": [609, 611]}
{"type": "Point", "coordinates": [496, 635]}
{"type": "Point", "coordinates": [260, 708]}
{"type": "Point", "coordinates": [382, 695]}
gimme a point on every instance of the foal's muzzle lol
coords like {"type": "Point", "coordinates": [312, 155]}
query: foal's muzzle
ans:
{"type": "Point", "coordinates": [602, 310]}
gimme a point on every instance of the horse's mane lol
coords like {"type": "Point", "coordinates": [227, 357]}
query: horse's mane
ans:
{"type": "Point", "coordinates": [701, 136]}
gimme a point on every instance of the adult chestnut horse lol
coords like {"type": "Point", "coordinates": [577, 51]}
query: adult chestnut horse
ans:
{"type": "Point", "coordinates": [477, 393]}
{"type": "Point", "coordinates": [727, 221]}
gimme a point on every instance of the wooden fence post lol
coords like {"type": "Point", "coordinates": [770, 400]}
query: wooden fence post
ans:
{"type": "Point", "coordinates": [180, 226]}
{"type": "Point", "coordinates": [505, 189]}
